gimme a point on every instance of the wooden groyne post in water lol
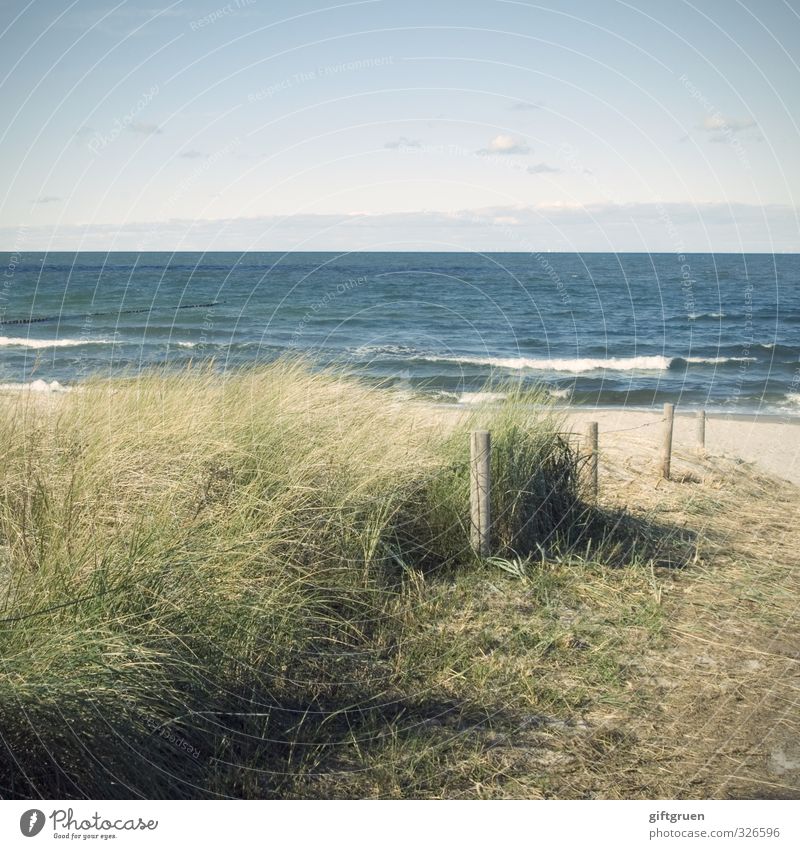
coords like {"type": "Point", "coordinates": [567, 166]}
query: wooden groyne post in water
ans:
{"type": "Point", "coordinates": [701, 431]}
{"type": "Point", "coordinates": [480, 485]}
{"type": "Point", "coordinates": [590, 443]}
{"type": "Point", "coordinates": [666, 446]}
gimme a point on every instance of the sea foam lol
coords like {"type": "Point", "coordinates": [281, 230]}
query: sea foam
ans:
{"type": "Point", "coordinates": [654, 363]}
{"type": "Point", "coordinates": [35, 386]}
{"type": "Point", "coordinates": [480, 397]}
{"type": "Point", "coordinates": [580, 365]}
{"type": "Point", "coordinates": [25, 342]}
{"type": "Point", "coordinates": [713, 361]}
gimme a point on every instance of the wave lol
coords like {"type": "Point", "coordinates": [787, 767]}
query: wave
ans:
{"type": "Point", "coordinates": [777, 352]}
{"type": "Point", "coordinates": [588, 364]}
{"type": "Point", "coordinates": [779, 349]}
{"type": "Point", "coordinates": [36, 386]}
{"type": "Point", "coordinates": [713, 361]}
{"type": "Point", "coordinates": [374, 351]}
{"type": "Point", "coordinates": [480, 397]}
{"type": "Point", "coordinates": [696, 316]}
{"type": "Point", "coordinates": [654, 363]}
{"type": "Point", "coordinates": [25, 342]}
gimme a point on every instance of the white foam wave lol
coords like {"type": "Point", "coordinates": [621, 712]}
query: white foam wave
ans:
{"type": "Point", "coordinates": [577, 366]}
{"type": "Point", "coordinates": [713, 361]}
{"type": "Point", "coordinates": [693, 316]}
{"type": "Point", "coordinates": [655, 363]}
{"type": "Point", "coordinates": [36, 386]}
{"type": "Point", "coordinates": [25, 342]}
{"type": "Point", "coordinates": [480, 397]}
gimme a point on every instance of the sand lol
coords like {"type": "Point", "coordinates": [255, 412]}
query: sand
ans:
{"type": "Point", "coordinates": [633, 438]}
{"type": "Point", "coordinates": [772, 444]}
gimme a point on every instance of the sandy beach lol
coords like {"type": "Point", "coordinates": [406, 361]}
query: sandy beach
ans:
{"type": "Point", "coordinates": [770, 443]}
{"type": "Point", "coordinates": [632, 438]}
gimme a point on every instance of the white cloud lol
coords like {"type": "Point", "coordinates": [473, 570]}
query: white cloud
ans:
{"type": "Point", "coordinates": [143, 128]}
{"type": "Point", "coordinates": [522, 105]}
{"type": "Point", "coordinates": [506, 146]}
{"type": "Point", "coordinates": [705, 227]}
{"type": "Point", "coordinates": [718, 123]}
{"type": "Point", "coordinates": [543, 168]}
{"type": "Point", "coordinates": [402, 142]}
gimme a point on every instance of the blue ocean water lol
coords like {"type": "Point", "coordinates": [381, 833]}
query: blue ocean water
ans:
{"type": "Point", "coordinates": [722, 331]}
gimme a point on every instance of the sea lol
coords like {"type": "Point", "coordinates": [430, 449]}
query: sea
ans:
{"type": "Point", "coordinates": [720, 331]}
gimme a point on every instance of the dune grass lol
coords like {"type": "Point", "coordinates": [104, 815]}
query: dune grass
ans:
{"type": "Point", "coordinates": [254, 585]}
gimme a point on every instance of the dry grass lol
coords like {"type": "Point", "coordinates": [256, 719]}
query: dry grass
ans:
{"type": "Point", "coordinates": [227, 560]}
{"type": "Point", "coordinates": [723, 715]}
{"type": "Point", "coordinates": [260, 586]}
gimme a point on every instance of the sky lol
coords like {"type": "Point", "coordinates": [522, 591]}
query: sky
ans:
{"type": "Point", "coordinates": [577, 125]}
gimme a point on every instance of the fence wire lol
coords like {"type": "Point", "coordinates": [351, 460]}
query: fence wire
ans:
{"type": "Point", "coordinates": [576, 435]}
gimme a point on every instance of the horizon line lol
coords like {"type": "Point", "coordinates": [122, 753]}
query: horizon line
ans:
{"type": "Point", "coordinates": [343, 252]}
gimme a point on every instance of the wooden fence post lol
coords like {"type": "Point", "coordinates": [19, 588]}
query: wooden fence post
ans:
{"type": "Point", "coordinates": [701, 431]}
{"type": "Point", "coordinates": [480, 491]}
{"type": "Point", "coordinates": [666, 447]}
{"type": "Point", "coordinates": [591, 453]}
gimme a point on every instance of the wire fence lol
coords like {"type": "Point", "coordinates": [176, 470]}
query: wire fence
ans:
{"type": "Point", "coordinates": [636, 427]}
{"type": "Point", "coordinates": [587, 456]}
{"type": "Point", "coordinates": [576, 435]}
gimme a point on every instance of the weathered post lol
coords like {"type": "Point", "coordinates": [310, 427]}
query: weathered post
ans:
{"type": "Point", "coordinates": [701, 431]}
{"type": "Point", "coordinates": [666, 447]}
{"type": "Point", "coordinates": [591, 449]}
{"type": "Point", "coordinates": [480, 491]}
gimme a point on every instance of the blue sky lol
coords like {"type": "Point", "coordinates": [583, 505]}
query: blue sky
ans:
{"type": "Point", "coordinates": [400, 124]}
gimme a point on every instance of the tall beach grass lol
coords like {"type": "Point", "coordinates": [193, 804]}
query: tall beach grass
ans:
{"type": "Point", "coordinates": [204, 576]}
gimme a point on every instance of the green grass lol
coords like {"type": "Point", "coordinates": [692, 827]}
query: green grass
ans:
{"type": "Point", "coordinates": [260, 585]}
